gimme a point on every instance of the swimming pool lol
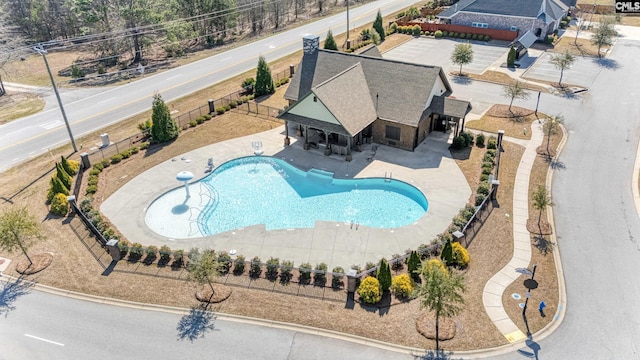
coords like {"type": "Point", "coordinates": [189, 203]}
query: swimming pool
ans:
{"type": "Point", "coordinates": [265, 190]}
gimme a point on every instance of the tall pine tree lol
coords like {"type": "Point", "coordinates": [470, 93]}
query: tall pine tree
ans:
{"type": "Point", "coordinates": [384, 275]}
{"type": "Point", "coordinates": [163, 127]}
{"type": "Point", "coordinates": [330, 42]}
{"type": "Point", "coordinates": [413, 265]}
{"type": "Point", "coordinates": [264, 81]}
{"type": "Point", "coordinates": [378, 27]}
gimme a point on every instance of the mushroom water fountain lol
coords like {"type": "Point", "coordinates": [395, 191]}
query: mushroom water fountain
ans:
{"type": "Point", "coordinates": [185, 176]}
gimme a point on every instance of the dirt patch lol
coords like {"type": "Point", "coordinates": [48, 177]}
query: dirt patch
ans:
{"type": "Point", "coordinates": [578, 47]}
{"type": "Point", "coordinates": [426, 326]}
{"type": "Point", "coordinates": [220, 294]}
{"type": "Point", "coordinates": [40, 262]}
{"type": "Point", "coordinates": [498, 117]}
{"type": "Point", "coordinates": [540, 228]}
{"type": "Point", "coordinates": [515, 113]}
{"type": "Point", "coordinates": [19, 104]}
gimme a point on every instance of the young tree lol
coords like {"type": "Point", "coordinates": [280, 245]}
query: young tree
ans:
{"type": "Point", "coordinates": [447, 253]}
{"type": "Point", "coordinates": [413, 13]}
{"type": "Point", "coordinates": [264, 81]}
{"type": "Point", "coordinates": [204, 269]}
{"type": "Point", "coordinates": [513, 91]}
{"type": "Point", "coordinates": [541, 200]}
{"type": "Point", "coordinates": [330, 42]}
{"type": "Point", "coordinates": [603, 34]}
{"type": "Point", "coordinates": [164, 128]}
{"type": "Point", "coordinates": [19, 229]}
{"type": "Point", "coordinates": [384, 275]}
{"type": "Point", "coordinates": [562, 62]}
{"type": "Point", "coordinates": [462, 55]}
{"type": "Point", "coordinates": [551, 126]}
{"type": "Point", "coordinates": [511, 57]}
{"type": "Point", "coordinates": [441, 293]}
{"type": "Point", "coordinates": [378, 26]}
{"type": "Point", "coordinates": [413, 264]}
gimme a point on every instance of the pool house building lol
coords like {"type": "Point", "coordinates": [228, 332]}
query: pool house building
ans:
{"type": "Point", "coordinates": [339, 101]}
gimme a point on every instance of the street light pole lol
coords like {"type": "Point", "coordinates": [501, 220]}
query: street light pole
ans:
{"type": "Point", "coordinates": [347, 21]}
{"type": "Point", "coordinates": [43, 52]}
{"type": "Point", "coordinates": [537, 103]}
{"type": "Point", "coordinates": [533, 285]}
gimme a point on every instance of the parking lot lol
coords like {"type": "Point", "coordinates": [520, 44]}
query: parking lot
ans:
{"type": "Point", "coordinates": [582, 73]}
{"type": "Point", "coordinates": [428, 51]}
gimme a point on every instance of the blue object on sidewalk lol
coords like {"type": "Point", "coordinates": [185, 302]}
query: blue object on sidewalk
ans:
{"type": "Point", "coordinates": [541, 306]}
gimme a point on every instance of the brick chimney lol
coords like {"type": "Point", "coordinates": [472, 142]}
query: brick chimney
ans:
{"type": "Point", "coordinates": [310, 44]}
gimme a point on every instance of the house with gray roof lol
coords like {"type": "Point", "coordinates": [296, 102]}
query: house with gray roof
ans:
{"type": "Point", "coordinates": [541, 17]}
{"type": "Point", "coordinates": [339, 101]}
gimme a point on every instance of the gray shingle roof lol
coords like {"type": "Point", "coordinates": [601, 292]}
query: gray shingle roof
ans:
{"type": "Point", "coordinates": [448, 106]}
{"type": "Point", "coordinates": [523, 8]}
{"type": "Point", "coordinates": [371, 50]}
{"type": "Point", "coordinates": [399, 90]}
{"type": "Point", "coordinates": [346, 96]}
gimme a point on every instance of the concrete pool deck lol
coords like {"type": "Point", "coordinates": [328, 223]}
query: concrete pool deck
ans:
{"type": "Point", "coordinates": [430, 168]}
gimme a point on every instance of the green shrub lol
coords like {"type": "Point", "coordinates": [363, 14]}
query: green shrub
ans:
{"type": "Point", "coordinates": [134, 150]}
{"type": "Point", "coordinates": [178, 257]}
{"type": "Point", "coordinates": [123, 245]}
{"type": "Point", "coordinates": [193, 123]}
{"type": "Point", "coordinates": [76, 72]}
{"type": "Point", "coordinates": [95, 171]}
{"type": "Point", "coordinates": [459, 142]}
{"type": "Point", "coordinates": [370, 291]}
{"type": "Point", "coordinates": [71, 167]}
{"type": "Point", "coordinates": [56, 187]}
{"type": "Point", "coordinates": [479, 199]}
{"type": "Point", "coordinates": [320, 276]}
{"type": "Point", "coordinates": [487, 165]}
{"type": "Point", "coordinates": [220, 110]}
{"type": "Point", "coordinates": [285, 271]}
{"type": "Point", "coordinates": [101, 69]}
{"type": "Point", "coordinates": [488, 157]}
{"type": "Point", "coordinates": [400, 15]}
{"type": "Point", "coordinates": [337, 278]}
{"type": "Point", "coordinates": [106, 163]}
{"type": "Point", "coordinates": [224, 261]}
{"type": "Point", "coordinates": [397, 263]}
{"type": "Point", "coordinates": [402, 286]}
{"type": "Point", "coordinates": [487, 38]}
{"type": "Point", "coordinates": [91, 189]}
{"type": "Point", "coordinates": [459, 221]}
{"type": "Point", "coordinates": [468, 36]}
{"type": "Point", "coordinates": [468, 212]}
{"type": "Point", "coordinates": [438, 34]}
{"type": "Point", "coordinates": [64, 177]}
{"type": "Point", "coordinates": [461, 35]}
{"type": "Point", "coordinates": [126, 154]}
{"type": "Point", "coordinates": [460, 255]}
{"type": "Point", "coordinates": [305, 273]}
{"type": "Point", "coordinates": [416, 30]}
{"type": "Point", "coordinates": [200, 120]}
{"type": "Point", "coordinates": [255, 269]}
{"type": "Point", "coordinates": [474, 37]}
{"type": "Point", "coordinates": [483, 188]}
{"type": "Point", "coordinates": [165, 253]}
{"type": "Point", "coordinates": [272, 268]}
{"type": "Point", "coordinates": [393, 27]}
{"type": "Point", "coordinates": [468, 137]}
{"type": "Point", "coordinates": [480, 140]}
{"type": "Point", "coordinates": [144, 145]}
{"type": "Point", "coordinates": [413, 264]}
{"type": "Point", "coordinates": [444, 33]}
{"type": "Point", "coordinates": [135, 250]}
{"type": "Point", "coordinates": [116, 158]}
{"type": "Point", "coordinates": [59, 205]}
{"type": "Point", "coordinates": [233, 104]}
{"type": "Point", "coordinates": [206, 117]}
{"type": "Point", "coordinates": [384, 274]}
{"type": "Point", "coordinates": [238, 265]}
{"type": "Point", "coordinates": [563, 24]}
{"type": "Point", "coordinates": [227, 107]}
{"type": "Point", "coordinates": [484, 177]}
{"type": "Point", "coordinates": [151, 251]}
{"type": "Point", "coordinates": [93, 180]}
{"type": "Point", "coordinates": [492, 143]}
{"type": "Point", "coordinates": [487, 171]}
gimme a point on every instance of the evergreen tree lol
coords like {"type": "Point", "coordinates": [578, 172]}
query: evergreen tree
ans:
{"type": "Point", "coordinates": [447, 253]}
{"type": "Point", "coordinates": [413, 264]}
{"type": "Point", "coordinates": [70, 166]}
{"type": "Point", "coordinates": [63, 176]}
{"type": "Point", "coordinates": [384, 275]}
{"type": "Point", "coordinates": [163, 127]}
{"type": "Point", "coordinates": [511, 57]}
{"type": "Point", "coordinates": [56, 187]}
{"type": "Point", "coordinates": [264, 81]}
{"type": "Point", "coordinates": [378, 27]}
{"type": "Point", "coordinates": [330, 42]}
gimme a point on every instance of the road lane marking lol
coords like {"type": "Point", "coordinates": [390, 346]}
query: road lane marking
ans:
{"type": "Point", "coordinates": [104, 101]}
{"type": "Point", "coordinates": [51, 124]}
{"type": "Point", "coordinates": [45, 340]}
{"type": "Point", "coordinates": [173, 77]}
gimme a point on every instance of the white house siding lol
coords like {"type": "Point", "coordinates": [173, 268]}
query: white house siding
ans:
{"type": "Point", "coordinates": [313, 109]}
{"type": "Point", "coordinates": [437, 90]}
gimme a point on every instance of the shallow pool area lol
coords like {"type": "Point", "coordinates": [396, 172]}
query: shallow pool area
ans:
{"type": "Point", "coordinates": [267, 190]}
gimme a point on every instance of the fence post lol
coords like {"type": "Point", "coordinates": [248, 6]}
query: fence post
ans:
{"type": "Point", "coordinates": [291, 70]}
{"type": "Point", "coordinates": [211, 108]}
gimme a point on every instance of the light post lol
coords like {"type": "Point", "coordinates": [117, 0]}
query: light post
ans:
{"type": "Point", "coordinates": [348, 44]}
{"type": "Point", "coordinates": [530, 284]}
{"type": "Point", "coordinates": [537, 103]}
{"type": "Point", "coordinates": [43, 52]}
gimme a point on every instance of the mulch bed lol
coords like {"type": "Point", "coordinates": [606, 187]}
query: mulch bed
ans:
{"type": "Point", "coordinates": [502, 111]}
{"type": "Point", "coordinates": [40, 262]}
{"type": "Point", "coordinates": [426, 326]}
{"type": "Point", "coordinates": [221, 294]}
{"type": "Point", "coordinates": [542, 150]}
{"type": "Point", "coordinates": [543, 229]}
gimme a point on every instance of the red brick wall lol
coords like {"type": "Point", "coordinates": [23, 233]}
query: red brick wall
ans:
{"type": "Point", "coordinates": [494, 33]}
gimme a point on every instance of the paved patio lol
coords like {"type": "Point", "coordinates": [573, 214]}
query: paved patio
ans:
{"type": "Point", "coordinates": [430, 168]}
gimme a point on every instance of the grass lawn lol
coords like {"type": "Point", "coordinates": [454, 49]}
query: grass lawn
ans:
{"type": "Point", "coordinates": [17, 105]}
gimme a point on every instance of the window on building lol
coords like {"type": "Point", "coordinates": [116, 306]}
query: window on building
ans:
{"type": "Point", "coordinates": [480, 25]}
{"type": "Point", "coordinates": [392, 132]}
{"type": "Point", "coordinates": [514, 28]}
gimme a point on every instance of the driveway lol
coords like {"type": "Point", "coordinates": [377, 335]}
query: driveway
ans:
{"type": "Point", "coordinates": [428, 51]}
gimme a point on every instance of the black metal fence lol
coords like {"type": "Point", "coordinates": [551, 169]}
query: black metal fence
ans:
{"type": "Point", "coordinates": [475, 223]}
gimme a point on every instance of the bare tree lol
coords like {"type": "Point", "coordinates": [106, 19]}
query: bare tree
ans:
{"type": "Point", "coordinates": [515, 90]}
{"type": "Point", "coordinates": [562, 62]}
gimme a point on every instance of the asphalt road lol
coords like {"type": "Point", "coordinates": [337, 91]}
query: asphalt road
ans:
{"type": "Point", "coordinates": [28, 137]}
{"type": "Point", "coordinates": [36, 325]}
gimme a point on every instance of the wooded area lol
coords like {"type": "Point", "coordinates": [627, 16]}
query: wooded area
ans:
{"type": "Point", "coordinates": [126, 32]}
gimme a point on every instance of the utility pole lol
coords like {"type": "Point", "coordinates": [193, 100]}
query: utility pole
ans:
{"type": "Point", "coordinates": [43, 52]}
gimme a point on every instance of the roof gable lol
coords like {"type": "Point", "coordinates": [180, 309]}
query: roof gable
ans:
{"type": "Point", "coordinates": [521, 8]}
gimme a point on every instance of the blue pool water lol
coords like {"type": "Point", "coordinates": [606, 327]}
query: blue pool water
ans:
{"type": "Point", "coordinates": [265, 190]}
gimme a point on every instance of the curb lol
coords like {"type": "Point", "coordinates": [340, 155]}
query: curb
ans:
{"type": "Point", "coordinates": [634, 182]}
